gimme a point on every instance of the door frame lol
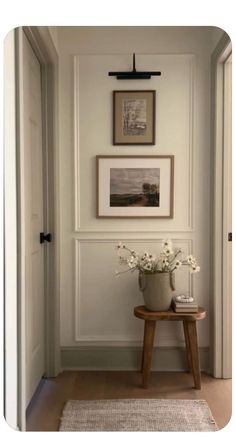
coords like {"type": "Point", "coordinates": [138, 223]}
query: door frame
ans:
{"type": "Point", "coordinates": [43, 47]}
{"type": "Point", "coordinates": [227, 221]}
{"type": "Point", "coordinates": [10, 304]}
{"type": "Point", "coordinates": [221, 349]}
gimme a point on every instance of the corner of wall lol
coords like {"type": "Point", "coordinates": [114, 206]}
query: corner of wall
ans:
{"type": "Point", "coordinates": [53, 30]}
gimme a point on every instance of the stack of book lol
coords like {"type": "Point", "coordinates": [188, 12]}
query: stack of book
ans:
{"type": "Point", "coordinates": [184, 307]}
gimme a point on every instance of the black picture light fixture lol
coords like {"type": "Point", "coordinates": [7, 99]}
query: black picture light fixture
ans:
{"type": "Point", "coordinates": [134, 74]}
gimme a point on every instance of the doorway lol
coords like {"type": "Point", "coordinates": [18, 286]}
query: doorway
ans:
{"type": "Point", "coordinates": [222, 209]}
{"type": "Point", "coordinates": [32, 197]}
{"type": "Point", "coordinates": [32, 325]}
{"type": "Point", "coordinates": [227, 220]}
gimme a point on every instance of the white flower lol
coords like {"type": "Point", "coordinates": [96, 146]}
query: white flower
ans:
{"type": "Point", "coordinates": [148, 266]}
{"type": "Point", "coordinates": [168, 251]}
{"type": "Point", "coordinates": [166, 243]}
{"type": "Point", "coordinates": [178, 264]}
{"type": "Point", "coordinates": [195, 269]}
{"type": "Point", "coordinates": [190, 259]}
{"type": "Point", "coordinates": [165, 262]}
{"type": "Point", "coordinates": [167, 247]}
{"type": "Point", "coordinates": [132, 262]}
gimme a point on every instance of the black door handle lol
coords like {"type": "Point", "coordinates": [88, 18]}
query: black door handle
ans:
{"type": "Point", "coordinates": [45, 237]}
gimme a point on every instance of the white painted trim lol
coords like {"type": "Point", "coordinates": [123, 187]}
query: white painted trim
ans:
{"type": "Point", "coordinates": [192, 94]}
{"type": "Point", "coordinates": [21, 238]}
{"type": "Point", "coordinates": [76, 147]}
{"type": "Point", "coordinates": [220, 54]}
{"type": "Point", "coordinates": [10, 238]}
{"type": "Point", "coordinates": [117, 342]}
{"type": "Point", "coordinates": [42, 44]}
{"type": "Point", "coordinates": [167, 358]}
{"type": "Point", "coordinates": [77, 288]}
{"type": "Point", "coordinates": [218, 209]}
{"type": "Point", "coordinates": [103, 339]}
{"type": "Point", "coordinates": [110, 239]}
{"type": "Point", "coordinates": [43, 49]}
{"type": "Point", "coordinates": [227, 222]}
{"type": "Point", "coordinates": [152, 232]}
{"type": "Point", "coordinates": [77, 183]}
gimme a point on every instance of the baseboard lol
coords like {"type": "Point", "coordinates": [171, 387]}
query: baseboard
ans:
{"type": "Point", "coordinates": [127, 358]}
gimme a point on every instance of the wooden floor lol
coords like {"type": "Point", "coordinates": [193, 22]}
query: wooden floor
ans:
{"type": "Point", "coordinates": [45, 410]}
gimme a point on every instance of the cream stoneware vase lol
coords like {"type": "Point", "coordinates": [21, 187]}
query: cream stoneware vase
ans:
{"type": "Point", "coordinates": [157, 289]}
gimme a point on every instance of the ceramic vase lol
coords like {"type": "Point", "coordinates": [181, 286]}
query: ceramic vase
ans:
{"type": "Point", "coordinates": [157, 289]}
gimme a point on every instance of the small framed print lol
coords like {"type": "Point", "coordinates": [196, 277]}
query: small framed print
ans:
{"type": "Point", "coordinates": [135, 186]}
{"type": "Point", "coordinates": [134, 117]}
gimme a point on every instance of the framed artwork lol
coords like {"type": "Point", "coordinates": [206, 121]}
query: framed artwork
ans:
{"type": "Point", "coordinates": [134, 117]}
{"type": "Point", "coordinates": [135, 186]}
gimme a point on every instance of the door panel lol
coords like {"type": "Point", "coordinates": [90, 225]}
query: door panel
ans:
{"type": "Point", "coordinates": [33, 196]}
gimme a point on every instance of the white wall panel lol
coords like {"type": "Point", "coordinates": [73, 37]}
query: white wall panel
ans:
{"type": "Point", "coordinates": [96, 307]}
{"type": "Point", "coordinates": [104, 302]}
{"type": "Point", "coordinates": [93, 132]}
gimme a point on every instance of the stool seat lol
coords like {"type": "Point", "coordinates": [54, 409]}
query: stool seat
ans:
{"type": "Point", "coordinates": [142, 313]}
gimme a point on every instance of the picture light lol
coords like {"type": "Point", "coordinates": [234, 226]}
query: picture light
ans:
{"type": "Point", "coordinates": [134, 74]}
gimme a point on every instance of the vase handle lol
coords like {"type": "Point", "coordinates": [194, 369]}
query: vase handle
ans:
{"type": "Point", "coordinates": [142, 282]}
{"type": "Point", "coordinates": [172, 281]}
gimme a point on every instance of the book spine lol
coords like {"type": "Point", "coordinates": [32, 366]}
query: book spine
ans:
{"type": "Point", "coordinates": [185, 305]}
{"type": "Point", "coordinates": [185, 310]}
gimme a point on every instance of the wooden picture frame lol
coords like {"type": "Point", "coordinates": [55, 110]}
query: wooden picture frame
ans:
{"type": "Point", "coordinates": [134, 117]}
{"type": "Point", "coordinates": [135, 186]}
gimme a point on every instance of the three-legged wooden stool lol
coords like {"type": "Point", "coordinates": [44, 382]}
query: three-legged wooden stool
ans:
{"type": "Point", "coordinates": [190, 333]}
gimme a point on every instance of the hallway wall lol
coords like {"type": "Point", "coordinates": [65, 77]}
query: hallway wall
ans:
{"type": "Point", "coordinates": [97, 325]}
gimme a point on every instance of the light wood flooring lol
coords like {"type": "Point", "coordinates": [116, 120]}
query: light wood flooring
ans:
{"type": "Point", "coordinates": [45, 410]}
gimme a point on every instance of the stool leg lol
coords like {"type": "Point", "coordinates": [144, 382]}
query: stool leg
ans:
{"type": "Point", "coordinates": [143, 347]}
{"type": "Point", "coordinates": [144, 336]}
{"type": "Point", "coordinates": [149, 331]}
{"type": "Point", "coordinates": [193, 345]}
{"type": "Point", "coordinates": [187, 343]}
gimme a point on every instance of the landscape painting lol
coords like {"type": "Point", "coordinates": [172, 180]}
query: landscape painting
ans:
{"type": "Point", "coordinates": [134, 187]}
{"type": "Point", "coordinates": [134, 117]}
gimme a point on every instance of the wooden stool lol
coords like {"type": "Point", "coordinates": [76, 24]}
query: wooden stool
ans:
{"type": "Point", "coordinates": [190, 333]}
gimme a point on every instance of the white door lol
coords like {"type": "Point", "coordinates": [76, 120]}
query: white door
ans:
{"type": "Point", "coordinates": [32, 204]}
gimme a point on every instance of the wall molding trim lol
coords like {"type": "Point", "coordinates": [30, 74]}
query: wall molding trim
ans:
{"type": "Point", "coordinates": [76, 145]}
{"type": "Point", "coordinates": [134, 233]}
{"type": "Point", "coordinates": [89, 234]}
{"type": "Point", "coordinates": [191, 141]}
{"type": "Point", "coordinates": [218, 334]}
{"type": "Point", "coordinates": [78, 228]}
{"type": "Point", "coordinates": [78, 336]}
{"type": "Point", "coordinates": [127, 358]}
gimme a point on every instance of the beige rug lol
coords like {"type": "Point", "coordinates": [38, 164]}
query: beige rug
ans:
{"type": "Point", "coordinates": [137, 415]}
